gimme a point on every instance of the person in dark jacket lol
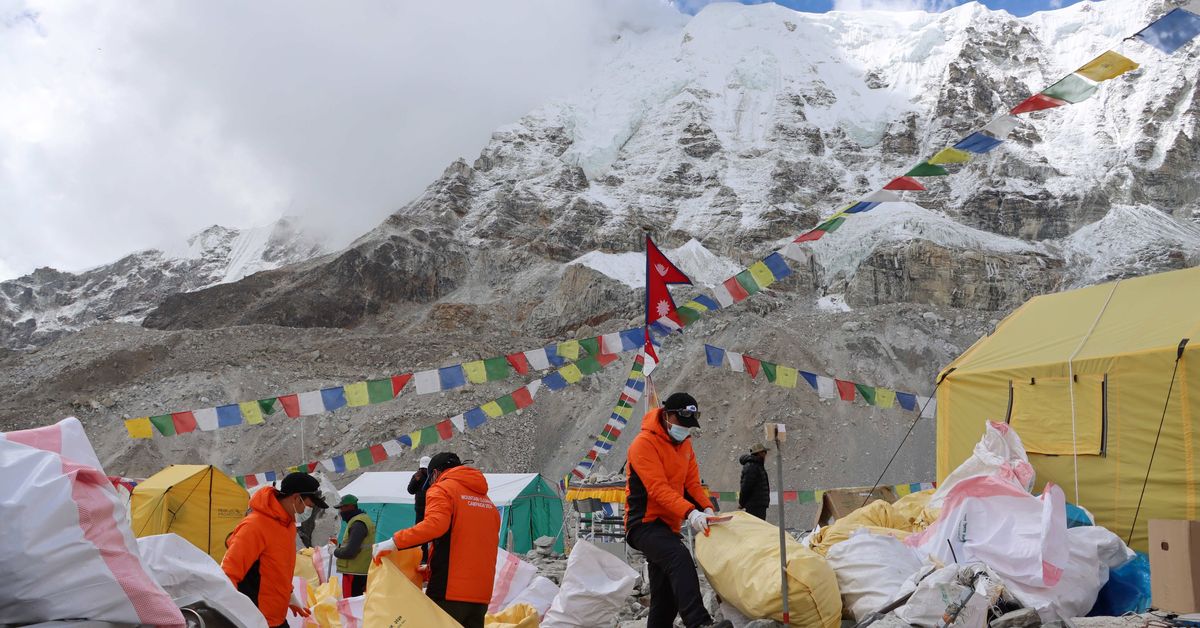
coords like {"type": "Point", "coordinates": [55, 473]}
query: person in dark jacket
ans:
{"type": "Point", "coordinates": [755, 494]}
{"type": "Point", "coordinates": [418, 484]}
{"type": "Point", "coordinates": [353, 553]}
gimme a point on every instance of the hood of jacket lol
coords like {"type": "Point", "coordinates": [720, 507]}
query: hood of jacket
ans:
{"type": "Point", "coordinates": [467, 479]}
{"type": "Point", "coordinates": [750, 459]}
{"type": "Point", "coordinates": [266, 503]}
{"type": "Point", "coordinates": [657, 429]}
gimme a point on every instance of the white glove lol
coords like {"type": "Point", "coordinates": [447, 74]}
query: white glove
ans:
{"type": "Point", "coordinates": [383, 546]}
{"type": "Point", "coordinates": [698, 521]}
{"type": "Point", "coordinates": [709, 512]}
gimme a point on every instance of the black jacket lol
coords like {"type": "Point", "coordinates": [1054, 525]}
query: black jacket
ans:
{"type": "Point", "coordinates": [417, 487]}
{"type": "Point", "coordinates": [756, 488]}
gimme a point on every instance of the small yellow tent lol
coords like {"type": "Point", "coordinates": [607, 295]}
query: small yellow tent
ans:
{"type": "Point", "coordinates": [1083, 377]}
{"type": "Point", "coordinates": [197, 502]}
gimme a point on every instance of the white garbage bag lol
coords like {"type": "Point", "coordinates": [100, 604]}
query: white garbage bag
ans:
{"type": "Point", "coordinates": [870, 569]}
{"type": "Point", "coordinates": [993, 521]}
{"type": "Point", "coordinates": [1093, 551]}
{"type": "Point", "coordinates": [999, 454]}
{"type": "Point", "coordinates": [184, 570]}
{"type": "Point", "coordinates": [512, 576]}
{"type": "Point", "coordinates": [67, 548]}
{"type": "Point", "coordinates": [593, 590]}
{"type": "Point", "coordinates": [539, 594]}
{"type": "Point", "coordinates": [934, 593]}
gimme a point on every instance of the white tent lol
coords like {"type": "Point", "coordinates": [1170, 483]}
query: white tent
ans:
{"type": "Point", "coordinates": [529, 505]}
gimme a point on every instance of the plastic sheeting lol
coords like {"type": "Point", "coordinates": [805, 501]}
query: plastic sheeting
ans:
{"type": "Point", "coordinates": [182, 569]}
{"type": "Point", "coordinates": [593, 590]}
{"type": "Point", "coordinates": [870, 570]}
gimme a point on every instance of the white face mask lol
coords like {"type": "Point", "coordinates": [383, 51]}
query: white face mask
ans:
{"type": "Point", "coordinates": [679, 433]}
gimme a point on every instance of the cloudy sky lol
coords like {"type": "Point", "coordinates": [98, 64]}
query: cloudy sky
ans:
{"type": "Point", "coordinates": [132, 125]}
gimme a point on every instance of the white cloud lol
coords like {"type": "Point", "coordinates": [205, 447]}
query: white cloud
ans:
{"type": "Point", "coordinates": [124, 126]}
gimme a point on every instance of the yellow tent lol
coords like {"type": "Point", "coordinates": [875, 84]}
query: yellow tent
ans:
{"type": "Point", "coordinates": [1083, 377]}
{"type": "Point", "coordinates": [197, 502]}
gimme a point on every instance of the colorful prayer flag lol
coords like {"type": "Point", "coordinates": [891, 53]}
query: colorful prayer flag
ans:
{"type": "Point", "coordinates": [927, 169]}
{"type": "Point", "coordinates": [752, 365]}
{"type": "Point", "coordinates": [1106, 66]}
{"type": "Point", "coordinates": [445, 429]}
{"type": "Point", "coordinates": [312, 402]}
{"type": "Point", "coordinates": [736, 364]}
{"type": "Point", "coordinates": [507, 404]}
{"type": "Point", "coordinates": [140, 427]}
{"type": "Point", "coordinates": [357, 394]}
{"type": "Point", "coordinates": [332, 398]}
{"type": "Point", "coordinates": [379, 390]}
{"type": "Point", "coordinates": [714, 355]}
{"type": "Point", "coordinates": [451, 377]}
{"type": "Point", "coordinates": [787, 376]}
{"type": "Point", "coordinates": [884, 196]}
{"type": "Point", "coordinates": [867, 392]}
{"type": "Point", "coordinates": [518, 362]}
{"type": "Point", "coordinates": [399, 382]}
{"type": "Point", "coordinates": [826, 387]}
{"type": "Point", "coordinates": [1171, 31]}
{"type": "Point", "coordinates": [571, 373]}
{"type": "Point", "coordinates": [907, 401]}
{"type": "Point", "coordinates": [252, 411]}
{"type": "Point", "coordinates": [475, 417]}
{"type": "Point", "coordinates": [735, 289]}
{"type": "Point", "coordinates": [476, 373]}
{"type": "Point", "coordinates": [427, 381]}
{"type": "Point", "coordinates": [164, 424]}
{"type": "Point", "coordinates": [1072, 88]}
{"type": "Point", "coordinates": [950, 156]}
{"type": "Point", "coordinates": [206, 419]}
{"type": "Point", "coordinates": [978, 143]}
{"type": "Point", "coordinates": [845, 389]}
{"type": "Point", "coordinates": [184, 422]}
{"type": "Point", "coordinates": [591, 345]}
{"type": "Point", "coordinates": [776, 264]}
{"type": "Point", "coordinates": [885, 397]}
{"type": "Point", "coordinates": [229, 415]}
{"type": "Point", "coordinates": [746, 281]}
{"type": "Point", "coordinates": [1037, 102]}
{"type": "Point", "coordinates": [1001, 127]}
{"type": "Point", "coordinates": [903, 183]}
{"type": "Point", "coordinates": [537, 359]}
{"type": "Point", "coordinates": [492, 409]}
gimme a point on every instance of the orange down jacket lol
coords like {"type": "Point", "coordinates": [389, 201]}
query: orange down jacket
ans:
{"type": "Point", "coordinates": [262, 556]}
{"type": "Point", "coordinates": [464, 526]}
{"type": "Point", "coordinates": [662, 478]}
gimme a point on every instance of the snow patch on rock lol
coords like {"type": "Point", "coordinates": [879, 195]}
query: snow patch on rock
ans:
{"type": "Point", "coordinates": [703, 266]}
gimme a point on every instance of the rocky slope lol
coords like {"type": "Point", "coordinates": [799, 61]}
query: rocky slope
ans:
{"type": "Point", "coordinates": [724, 140]}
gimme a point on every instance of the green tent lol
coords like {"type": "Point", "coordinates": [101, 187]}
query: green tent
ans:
{"type": "Point", "coordinates": [529, 505]}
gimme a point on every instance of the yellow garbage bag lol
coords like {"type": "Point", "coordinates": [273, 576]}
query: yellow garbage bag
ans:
{"type": "Point", "coordinates": [393, 600]}
{"type": "Point", "coordinates": [515, 616]}
{"type": "Point", "coordinates": [324, 605]}
{"type": "Point", "coordinates": [740, 558]}
{"type": "Point", "coordinates": [879, 517]}
{"type": "Point", "coordinates": [913, 508]}
{"type": "Point", "coordinates": [306, 569]}
{"type": "Point", "coordinates": [407, 561]}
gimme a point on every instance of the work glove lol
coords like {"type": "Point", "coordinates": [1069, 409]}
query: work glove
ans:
{"type": "Point", "coordinates": [381, 549]}
{"type": "Point", "coordinates": [698, 521]}
{"type": "Point", "coordinates": [299, 611]}
{"type": "Point", "coordinates": [708, 512]}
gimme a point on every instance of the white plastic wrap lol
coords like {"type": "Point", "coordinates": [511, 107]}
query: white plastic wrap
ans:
{"type": "Point", "coordinates": [593, 591]}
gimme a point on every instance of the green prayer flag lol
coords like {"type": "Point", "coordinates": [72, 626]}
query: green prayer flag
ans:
{"type": "Point", "coordinates": [588, 365]}
{"type": "Point", "coordinates": [687, 314]}
{"type": "Point", "coordinates": [591, 345]}
{"type": "Point", "coordinates": [429, 435]}
{"type": "Point", "coordinates": [830, 226]}
{"type": "Point", "coordinates": [769, 369]}
{"type": "Point", "coordinates": [497, 368]}
{"type": "Point", "coordinates": [379, 390]}
{"type": "Point", "coordinates": [267, 406]}
{"type": "Point", "coordinates": [1072, 89]}
{"type": "Point", "coordinates": [747, 282]}
{"type": "Point", "coordinates": [164, 424]}
{"type": "Point", "coordinates": [807, 497]}
{"type": "Point", "coordinates": [637, 368]}
{"type": "Point", "coordinates": [364, 457]}
{"type": "Point", "coordinates": [926, 169]}
{"type": "Point", "coordinates": [507, 404]}
{"type": "Point", "coordinates": [621, 403]}
{"type": "Point", "coordinates": [867, 392]}
{"type": "Point", "coordinates": [241, 480]}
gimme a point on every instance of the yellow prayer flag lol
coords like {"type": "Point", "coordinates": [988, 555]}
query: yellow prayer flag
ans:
{"type": "Point", "coordinates": [476, 371]}
{"type": "Point", "coordinates": [569, 349]}
{"type": "Point", "coordinates": [139, 427]}
{"type": "Point", "coordinates": [885, 397]}
{"type": "Point", "coordinates": [762, 275]}
{"type": "Point", "coordinates": [902, 490]}
{"type": "Point", "coordinates": [623, 412]}
{"type": "Point", "coordinates": [492, 409]}
{"type": "Point", "coordinates": [251, 412]}
{"type": "Point", "coordinates": [786, 376]}
{"type": "Point", "coordinates": [950, 156]}
{"type": "Point", "coordinates": [696, 305]}
{"type": "Point", "coordinates": [571, 373]}
{"type": "Point", "coordinates": [356, 394]}
{"type": "Point", "coordinates": [351, 461]}
{"type": "Point", "coordinates": [1106, 66]}
{"type": "Point", "coordinates": [415, 437]}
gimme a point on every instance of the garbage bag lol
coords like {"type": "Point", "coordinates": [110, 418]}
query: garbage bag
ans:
{"type": "Point", "coordinates": [67, 547]}
{"type": "Point", "coordinates": [998, 454]}
{"type": "Point", "coordinates": [934, 592]}
{"type": "Point", "coordinates": [991, 520]}
{"type": "Point", "coordinates": [870, 569]}
{"type": "Point", "coordinates": [182, 570]}
{"type": "Point", "coordinates": [593, 589]}
{"type": "Point", "coordinates": [1079, 516]}
{"type": "Point", "coordinates": [512, 576]}
{"type": "Point", "coordinates": [393, 600]}
{"type": "Point", "coordinates": [740, 558]}
{"type": "Point", "coordinates": [515, 616]}
{"type": "Point", "coordinates": [539, 594]}
{"type": "Point", "coordinates": [879, 517]}
{"type": "Point", "coordinates": [1127, 589]}
{"type": "Point", "coordinates": [306, 594]}
{"type": "Point", "coordinates": [1093, 550]}
{"type": "Point", "coordinates": [914, 508]}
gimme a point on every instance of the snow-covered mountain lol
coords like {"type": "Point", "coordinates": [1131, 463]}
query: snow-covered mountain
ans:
{"type": "Point", "coordinates": [47, 303]}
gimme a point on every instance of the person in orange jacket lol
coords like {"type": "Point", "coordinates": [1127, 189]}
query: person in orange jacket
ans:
{"type": "Point", "coordinates": [464, 526]}
{"type": "Point", "coordinates": [261, 554]}
{"type": "Point", "coordinates": [662, 490]}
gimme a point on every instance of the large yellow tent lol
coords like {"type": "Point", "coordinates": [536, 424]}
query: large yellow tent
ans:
{"type": "Point", "coordinates": [1083, 377]}
{"type": "Point", "coordinates": [197, 502]}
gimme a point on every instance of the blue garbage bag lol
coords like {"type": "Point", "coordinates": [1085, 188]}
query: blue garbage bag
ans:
{"type": "Point", "coordinates": [1127, 590]}
{"type": "Point", "coordinates": [1078, 517]}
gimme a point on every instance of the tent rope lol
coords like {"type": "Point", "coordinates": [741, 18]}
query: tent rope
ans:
{"type": "Point", "coordinates": [1161, 421]}
{"type": "Point", "coordinates": [1071, 384]}
{"type": "Point", "coordinates": [932, 396]}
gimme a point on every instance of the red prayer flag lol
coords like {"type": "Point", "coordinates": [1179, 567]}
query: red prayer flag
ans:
{"type": "Point", "coordinates": [606, 358]}
{"type": "Point", "coordinates": [312, 466]}
{"type": "Point", "coordinates": [251, 481]}
{"type": "Point", "coordinates": [752, 365]}
{"type": "Point", "coordinates": [1037, 102]}
{"type": "Point", "coordinates": [291, 405]}
{"type": "Point", "coordinates": [591, 454]}
{"type": "Point", "coordinates": [846, 390]}
{"type": "Point", "coordinates": [184, 422]}
{"type": "Point", "coordinates": [378, 453]}
{"type": "Point", "coordinates": [522, 398]}
{"type": "Point", "coordinates": [905, 183]}
{"type": "Point", "coordinates": [398, 383]}
{"type": "Point", "coordinates": [445, 429]}
{"type": "Point", "coordinates": [791, 496]}
{"type": "Point", "coordinates": [735, 289]}
{"type": "Point", "coordinates": [811, 236]}
{"type": "Point", "coordinates": [518, 362]}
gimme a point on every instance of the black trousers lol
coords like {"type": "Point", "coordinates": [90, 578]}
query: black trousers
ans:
{"type": "Point", "coordinates": [674, 585]}
{"type": "Point", "coordinates": [469, 614]}
{"type": "Point", "coordinates": [761, 513]}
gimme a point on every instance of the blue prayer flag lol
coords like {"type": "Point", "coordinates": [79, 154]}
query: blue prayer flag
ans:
{"type": "Point", "coordinates": [270, 475]}
{"type": "Point", "coordinates": [1171, 31]}
{"type": "Point", "coordinates": [777, 265]}
{"type": "Point", "coordinates": [405, 440]}
{"type": "Point", "coordinates": [475, 417]}
{"type": "Point", "coordinates": [554, 381]}
{"type": "Point", "coordinates": [333, 398]}
{"type": "Point", "coordinates": [637, 384]}
{"type": "Point", "coordinates": [861, 206]}
{"type": "Point", "coordinates": [715, 355]}
{"type": "Point", "coordinates": [632, 339]}
{"type": "Point", "coordinates": [452, 377]}
{"type": "Point", "coordinates": [552, 356]}
{"type": "Point", "coordinates": [709, 303]}
{"type": "Point", "coordinates": [811, 378]}
{"type": "Point", "coordinates": [908, 401]}
{"type": "Point", "coordinates": [339, 464]}
{"type": "Point", "coordinates": [228, 416]}
{"type": "Point", "coordinates": [978, 142]}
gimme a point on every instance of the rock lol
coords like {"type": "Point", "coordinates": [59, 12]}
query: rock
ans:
{"type": "Point", "coordinates": [851, 326]}
{"type": "Point", "coordinates": [1020, 618]}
